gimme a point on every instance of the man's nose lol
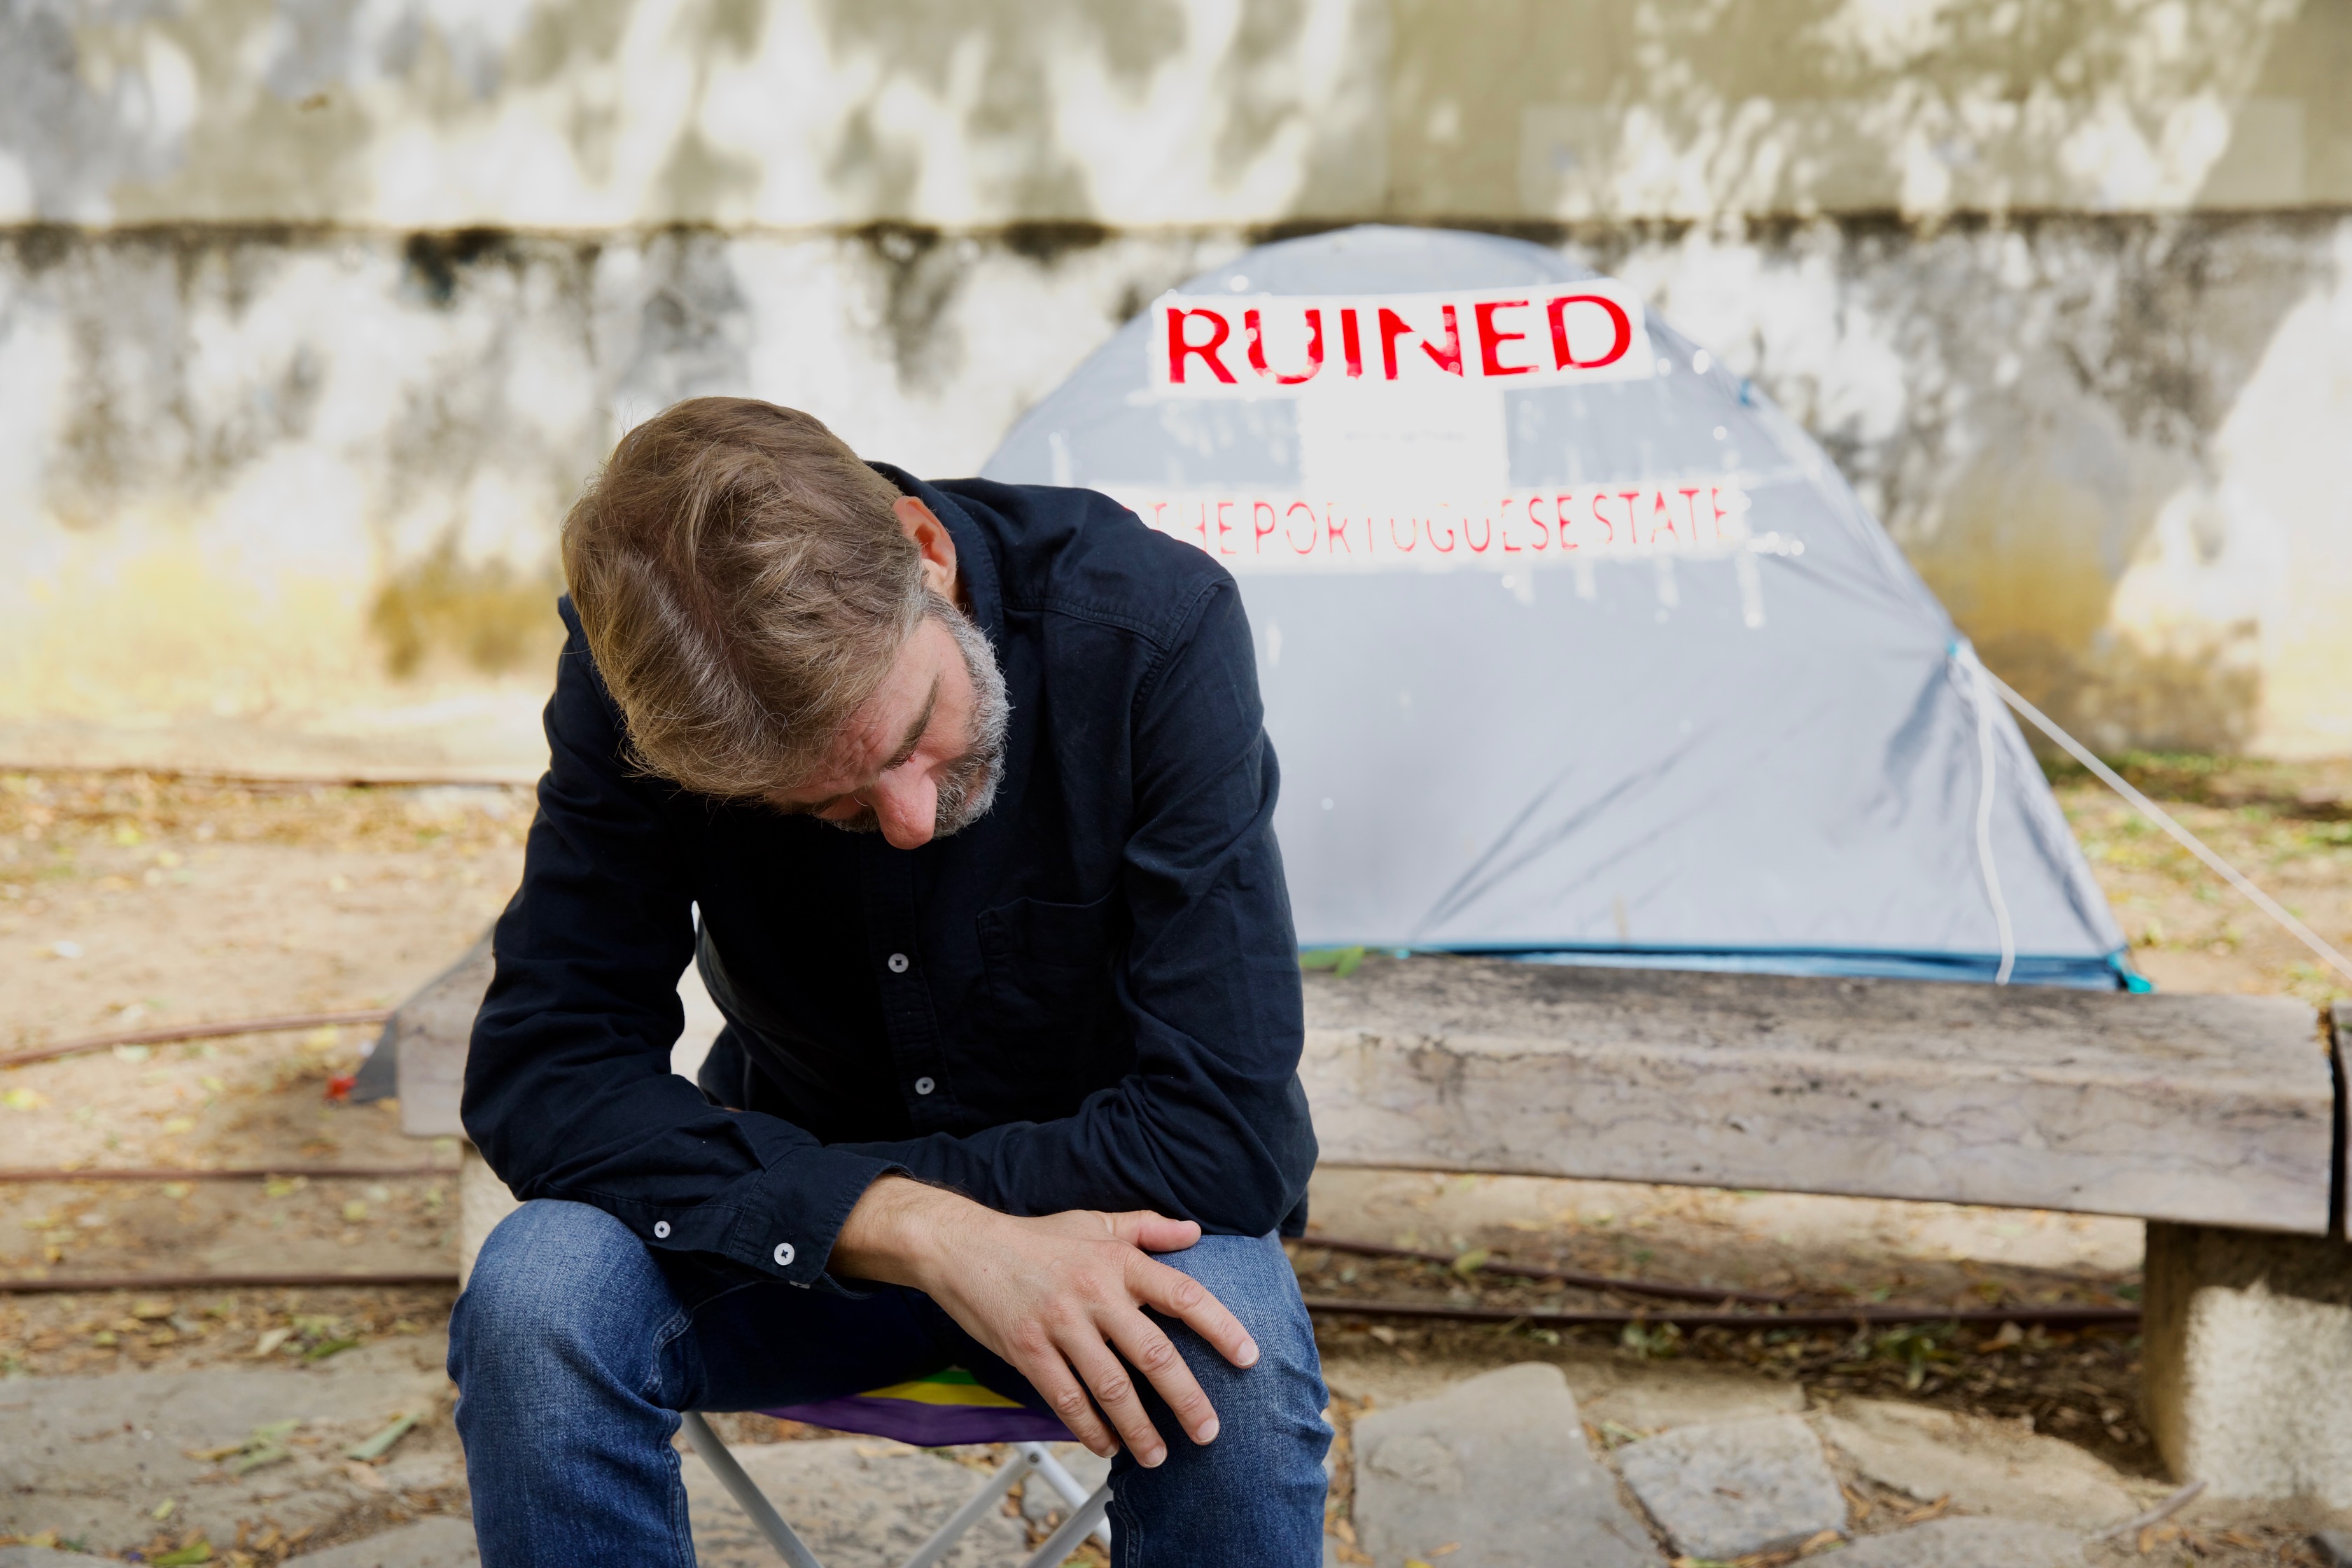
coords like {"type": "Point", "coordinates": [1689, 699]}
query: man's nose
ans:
{"type": "Point", "coordinates": [908, 808]}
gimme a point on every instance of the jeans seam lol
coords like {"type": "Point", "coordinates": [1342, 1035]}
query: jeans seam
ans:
{"type": "Point", "coordinates": [668, 1334]}
{"type": "Point", "coordinates": [681, 1519]}
{"type": "Point", "coordinates": [1125, 1534]}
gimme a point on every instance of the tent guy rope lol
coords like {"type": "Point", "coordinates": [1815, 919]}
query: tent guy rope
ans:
{"type": "Point", "coordinates": [2188, 840]}
{"type": "Point", "coordinates": [1988, 752]}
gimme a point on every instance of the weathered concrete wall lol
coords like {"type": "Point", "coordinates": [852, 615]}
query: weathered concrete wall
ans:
{"type": "Point", "coordinates": [793, 114]}
{"type": "Point", "coordinates": [313, 316]}
{"type": "Point", "coordinates": [288, 499]}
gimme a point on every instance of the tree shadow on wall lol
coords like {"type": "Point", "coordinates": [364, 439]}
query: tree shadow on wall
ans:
{"type": "Point", "coordinates": [1697, 108]}
{"type": "Point", "coordinates": [995, 54]}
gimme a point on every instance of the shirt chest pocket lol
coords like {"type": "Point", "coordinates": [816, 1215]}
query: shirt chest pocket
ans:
{"type": "Point", "coordinates": [1046, 995]}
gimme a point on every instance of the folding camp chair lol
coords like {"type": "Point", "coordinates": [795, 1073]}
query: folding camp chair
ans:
{"type": "Point", "coordinates": [946, 1408]}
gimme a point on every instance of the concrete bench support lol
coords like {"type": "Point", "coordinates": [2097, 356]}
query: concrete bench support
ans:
{"type": "Point", "coordinates": [2247, 1354]}
{"type": "Point", "coordinates": [482, 1201]}
{"type": "Point", "coordinates": [2247, 1360]}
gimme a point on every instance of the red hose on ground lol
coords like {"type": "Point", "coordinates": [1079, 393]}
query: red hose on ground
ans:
{"type": "Point", "coordinates": [1537, 1271]}
{"type": "Point", "coordinates": [171, 1033]}
{"type": "Point", "coordinates": [226, 1173]}
{"type": "Point", "coordinates": [60, 1286]}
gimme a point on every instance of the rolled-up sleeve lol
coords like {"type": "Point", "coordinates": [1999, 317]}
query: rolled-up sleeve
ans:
{"type": "Point", "coordinates": [1212, 1124]}
{"type": "Point", "coordinates": [569, 1092]}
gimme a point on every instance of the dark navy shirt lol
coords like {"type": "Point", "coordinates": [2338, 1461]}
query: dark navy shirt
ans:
{"type": "Point", "coordinates": [1087, 999]}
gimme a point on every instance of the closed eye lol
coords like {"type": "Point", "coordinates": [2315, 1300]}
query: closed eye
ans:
{"type": "Point", "coordinates": [915, 732]}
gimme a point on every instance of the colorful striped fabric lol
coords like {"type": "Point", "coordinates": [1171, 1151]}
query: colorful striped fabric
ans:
{"type": "Point", "coordinates": [946, 1407]}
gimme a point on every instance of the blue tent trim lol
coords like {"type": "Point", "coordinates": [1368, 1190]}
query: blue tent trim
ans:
{"type": "Point", "coordinates": [2112, 971]}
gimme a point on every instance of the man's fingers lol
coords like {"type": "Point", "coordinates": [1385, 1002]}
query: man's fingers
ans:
{"type": "Point", "coordinates": [1184, 1297]}
{"type": "Point", "coordinates": [1153, 1232]}
{"type": "Point", "coordinates": [1114, 1391]}
{"type": "Point", "coordinates": [1051, 1376]}
{"type": "Point", "coordinates": [1153, 1353]}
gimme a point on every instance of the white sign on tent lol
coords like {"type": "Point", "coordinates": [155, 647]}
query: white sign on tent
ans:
{"type": "Point", "coordinates": [1403, 461]}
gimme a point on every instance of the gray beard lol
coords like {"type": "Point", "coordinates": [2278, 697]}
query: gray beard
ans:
{"type": "Point", "coordinates": [968, 787]}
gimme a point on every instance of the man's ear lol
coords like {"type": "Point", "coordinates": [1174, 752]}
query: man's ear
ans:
{"type": "Point", "coordinates": [931, 537]}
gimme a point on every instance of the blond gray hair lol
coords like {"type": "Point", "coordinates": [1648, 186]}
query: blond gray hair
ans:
{"type": "Point", "coordinates": [744, 585]}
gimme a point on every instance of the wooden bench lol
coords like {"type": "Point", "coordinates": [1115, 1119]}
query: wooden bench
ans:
{"type": "Point", "coordinates": [2218, 1120]}
{"type": "Point", "coordinates": [2200, 1109]}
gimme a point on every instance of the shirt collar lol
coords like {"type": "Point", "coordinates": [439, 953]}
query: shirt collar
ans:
{"type": "Point", "coordinates": [976, 564]}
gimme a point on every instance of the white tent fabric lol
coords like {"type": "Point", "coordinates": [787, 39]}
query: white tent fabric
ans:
{"type": "Point", "coordinates": [1570, 644]}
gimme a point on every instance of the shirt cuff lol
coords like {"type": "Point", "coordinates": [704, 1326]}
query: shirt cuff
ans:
{"type": "Point", "coordinates": [779, 1224]}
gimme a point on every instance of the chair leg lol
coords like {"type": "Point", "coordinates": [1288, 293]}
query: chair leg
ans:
{"type": "Point", "coordinates": [1065, 1483]}
{"type": "Point", "coordinates": [747, 1496]}
{"type": "Point", "coordinates": [943, 1540]}
{"type": "Point", "coordinates": [1064, 1540]}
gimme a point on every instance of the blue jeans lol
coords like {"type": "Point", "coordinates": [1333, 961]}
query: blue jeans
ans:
{"type": "Point", "coordinates": [574, 1348]}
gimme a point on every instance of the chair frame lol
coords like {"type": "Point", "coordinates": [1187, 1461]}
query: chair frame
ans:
{"type": "Point", "coordinates": [1087, 1511]}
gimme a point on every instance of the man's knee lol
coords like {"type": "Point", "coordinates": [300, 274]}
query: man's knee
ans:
{"type": "Point", "coordinates": [1253, 1277]}
{"type": "Point", "coordinates": [553, 1278]}
{"type": "Point", "coordinates": [1261, 1480]}
{"type": "Point", "coordinates": [1250, 1274]}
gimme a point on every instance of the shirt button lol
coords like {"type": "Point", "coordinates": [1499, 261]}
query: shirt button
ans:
{"type": "Point", "coordinates": [784, 1255]}
{"type": "Point", "coordinates": [924, 1086]}
{"type": "Point", "coordinates": [897, 962]}
{"type": "Point", "coordinates": [661, 1230]}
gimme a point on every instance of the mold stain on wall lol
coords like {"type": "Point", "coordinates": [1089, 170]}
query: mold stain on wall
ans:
{"type": "Point", "coordinates": [487, 617]}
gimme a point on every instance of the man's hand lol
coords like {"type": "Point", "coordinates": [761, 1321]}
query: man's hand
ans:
{"type": "Point", "coordinates": [1060, 1298]}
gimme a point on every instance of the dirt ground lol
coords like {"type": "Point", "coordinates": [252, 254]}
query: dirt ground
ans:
{"type": "Point", "coordinates": [130, 901]}
{"type": "Point", "coordinates": [2286, 826]}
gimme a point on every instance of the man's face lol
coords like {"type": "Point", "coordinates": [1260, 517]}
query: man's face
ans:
{"type": "Point", "coordinates": [921, 759]}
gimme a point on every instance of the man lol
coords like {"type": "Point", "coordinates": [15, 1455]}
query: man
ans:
{"type": "Point", "coordinates": [958, 796]}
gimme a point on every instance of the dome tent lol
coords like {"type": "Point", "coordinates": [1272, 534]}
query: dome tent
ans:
{"type": "Point", "coordinates": [1570, 644]}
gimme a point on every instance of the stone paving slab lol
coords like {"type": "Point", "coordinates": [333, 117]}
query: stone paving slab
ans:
{"type": "Point", "coordinates": [1987, 1465]}
{"type": "Point", "coordinates": [93, 1456]}
{"type": "Point", "coordinates": [1729, 1488]}
{"type": "Point", "coordinates": [1643, 1397]}
{"type": "Point", "coordinates": [446, 1542]}
{"type": "Point", "coordinates": [859, 1504]}
{"type": "Point", "coordinates": [1967, 1544]}
{"type": "Point", "coordinates": [1495, 1469]}
{"type": "Point", "coordinates": [1652, 1397]}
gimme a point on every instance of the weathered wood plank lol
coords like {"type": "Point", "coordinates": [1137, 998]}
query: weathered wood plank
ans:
{"type": "Point", "coordinates": [2212, 1109]}
{"type": "Point", "coordinates": [2202, 1110]}
{"type": "Point", "coordinates": [431, 1031]}
{"type": "Point", "coordinates": [2339, 1019]}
